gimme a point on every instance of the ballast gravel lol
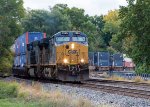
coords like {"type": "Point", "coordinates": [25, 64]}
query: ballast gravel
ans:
{"type": "Point", "coordinates": [98, 97]}
{"type": "Point", "coordinates": [129, 86]}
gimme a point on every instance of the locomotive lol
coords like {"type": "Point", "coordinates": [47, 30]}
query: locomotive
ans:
{"type": "Point", "coordinates": [64, 56]}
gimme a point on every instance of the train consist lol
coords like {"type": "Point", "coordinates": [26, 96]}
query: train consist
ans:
{"type": "Point", "coordinates": [64, 56]}
{"type": "Point", "coordinates": [104, 61]}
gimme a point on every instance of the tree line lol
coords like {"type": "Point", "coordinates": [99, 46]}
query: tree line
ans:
{"type": "Point", "coordinates": [125, 30]}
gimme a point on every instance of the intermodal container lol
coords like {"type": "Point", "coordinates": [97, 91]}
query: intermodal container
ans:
{"type": "Point", "coordinates": [101, 59]}
{"type": "Point", "coordinates": [104, 59]}
{"type": "Point", "coordinates": [91, 58]}
{"type": "Point", "coordinates": [26, 38]}
{"type": "Point", "coordinates": [96, 59]}
{"type": "Point", "coordinates": [118, 60]}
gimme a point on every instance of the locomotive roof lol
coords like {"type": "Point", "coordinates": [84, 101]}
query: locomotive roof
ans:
{"type": "Point", "coordinates": [69, 33]}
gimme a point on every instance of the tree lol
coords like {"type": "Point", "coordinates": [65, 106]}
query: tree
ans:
{"type": "Point", "coordinates": [135, 26]}
{"type": "Point", "coordinates": [46, 21]}
{"type": "Point", "coordinates": [61, 17]}
{"type": "Point", "coordinates": [98, 21]}
{"type": "Point", "coordinates": [77, 17]}
{"type": "Point", "coordinates": [11, 12]}
{"type": "Point", "coordinates": [96, 42]}
{"type": "Point", "coordinates": [111, 28]}
{"type": "Point", "coordinates": [90, 25]}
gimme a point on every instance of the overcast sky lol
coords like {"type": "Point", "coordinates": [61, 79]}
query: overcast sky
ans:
{"type": "Point", "coordinates": [91, 7]}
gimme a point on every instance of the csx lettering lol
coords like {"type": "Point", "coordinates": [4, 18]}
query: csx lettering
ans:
{"type": "Point", "coordinates": [72, 51]}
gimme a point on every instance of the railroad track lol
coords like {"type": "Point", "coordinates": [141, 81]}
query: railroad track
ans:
{"type": "Point", "coordinates": [97, 85]}
{"type": "Point", "coordinates": [118, 90]}
{"type": "Point", "coordinates": [123, 83]}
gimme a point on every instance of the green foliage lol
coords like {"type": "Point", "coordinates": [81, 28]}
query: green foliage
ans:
{"type": "Point", "coordinates": [13, 94]}
{"type": "Point", "coordinates": [6, 61]}
{"type": "Point", "coordinates": [111, 22]}
{"type": "Point", "coordinates": [61, 17]}
{"type": "Point", "coordinates": [142, 68]}
{"type": "Point", "coordinates": [110, 30]}
{"type": "Point", "coordinates": [94, 31]}
{"type": "Point", "coordinates": [76, 17]}
{"type": "Point", "coordinates": [15, 102]}
{"type": "Point", "coordinates": [11, 12]}
{"type": "Point", "coordinates": [23, 103]}
{"type": "Point", "coordinates": [45, 21]}
{"type": "Point", "coordinates": [8, 90]}
{"type": "Point", "coordinates": [115, 44]}
{"type": "Point", "coordinates": [135, 26]}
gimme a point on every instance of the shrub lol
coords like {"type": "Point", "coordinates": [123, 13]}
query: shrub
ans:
{"type": "Point", "coordinates": [142, 68]}
{"type": "Point", "coordinates": [8, 90]}
{"type": "Point", "coordinates": [6, 59]}
{"type": "Point", "coordinates": [138, 79]}
{"type": "Point", "coordinates": [117, 78]}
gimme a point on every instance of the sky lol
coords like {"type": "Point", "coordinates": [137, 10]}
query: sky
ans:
{"type": "Point", "coordinates": [91, 7]}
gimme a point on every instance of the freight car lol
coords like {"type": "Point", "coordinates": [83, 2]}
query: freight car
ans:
{"type": "Point", "coordinates": [104, 61]}
{"type": "Point", "coordinates": [100, 60]}
{"type": "Point", "coordinates": [20, 56]}
{"type": "Point", "coordinates": [118, 63]}
{"type": "Point", "coordinates": [64, 56]}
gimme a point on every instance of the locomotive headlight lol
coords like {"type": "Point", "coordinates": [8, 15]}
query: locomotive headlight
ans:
{"type": "Point", "coordinates": [82, 60]}
{"type": "Point", "coordinates": [65, 61]}
{"type": "Point", "coordinates": [72, 46]}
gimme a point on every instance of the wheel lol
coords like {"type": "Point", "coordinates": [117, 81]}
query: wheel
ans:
{"type": "Point", "coordinates": [37, 73]}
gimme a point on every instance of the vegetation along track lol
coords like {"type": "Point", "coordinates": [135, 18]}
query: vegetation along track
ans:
{"type": "Point", "coordinates": [94, 85]}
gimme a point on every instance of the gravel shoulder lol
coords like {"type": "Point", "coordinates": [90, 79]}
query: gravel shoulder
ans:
{"type": "Point", "coordinates": [98, 97]}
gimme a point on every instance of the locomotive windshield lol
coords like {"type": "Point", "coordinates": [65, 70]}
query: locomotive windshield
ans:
{"type": "Point", "coordinates": [62, 39]}
{"type": "Point", "coordinates": [78, 39]}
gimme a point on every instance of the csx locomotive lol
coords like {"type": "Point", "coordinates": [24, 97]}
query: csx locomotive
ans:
{"type": "Point", "coordinates": [64, 56]}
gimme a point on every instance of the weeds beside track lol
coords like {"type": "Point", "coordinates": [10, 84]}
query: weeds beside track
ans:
{"type": "Point", "coordinates": [99, 85]}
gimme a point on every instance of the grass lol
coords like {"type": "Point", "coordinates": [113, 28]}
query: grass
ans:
{"type": "Point", "coordinates": [37, 103]}
{"type": "Point", "coordinates": [22, 95]}
{"type": "Point", "coordinates": [16, 102]}
{"type": "Point", "coordinates": [116, 78]}
{"type": "Point", "coordinates": [137, 79]}
{"type": "Point", "coordinates": [8, 90]}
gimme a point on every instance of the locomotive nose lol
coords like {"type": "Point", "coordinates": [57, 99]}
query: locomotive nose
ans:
{"type": "Point", "coordinates": [72, 46]}
{"type": "Point", "coordinates": [73, 52]}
